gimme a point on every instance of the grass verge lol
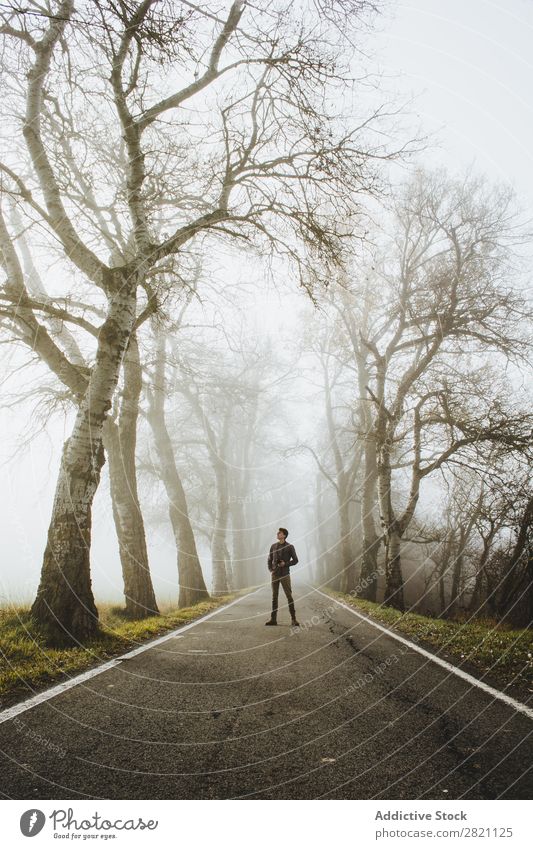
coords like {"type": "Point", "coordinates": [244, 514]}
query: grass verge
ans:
{"type": "Point", "coordinates": [500, 652]}
{"type": "Point", "coordinates": [27, 665]}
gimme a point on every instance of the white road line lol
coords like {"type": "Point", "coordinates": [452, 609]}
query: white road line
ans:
{"type": "Point", "coordinates": [497, 694]}
{"type": "Point", "coordinates": [9, 713]}
{"type": "Point", "coordinates": [51, 693]}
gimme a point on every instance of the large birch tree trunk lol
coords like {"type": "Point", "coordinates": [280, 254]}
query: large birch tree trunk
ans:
{"type": "Point", "coordinates": [64, 606]}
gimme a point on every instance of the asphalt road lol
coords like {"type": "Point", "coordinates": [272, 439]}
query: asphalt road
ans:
{"type": "Point", "coordinates": [232, 709]}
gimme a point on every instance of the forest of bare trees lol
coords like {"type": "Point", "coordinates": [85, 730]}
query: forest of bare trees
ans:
{"type": "Point", "coordinates": [425, 344]}
{"type": "Point", "coordinates": [152, 151]}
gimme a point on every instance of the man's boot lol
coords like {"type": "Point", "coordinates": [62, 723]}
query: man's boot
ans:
{"type": "Point", "coordinates": [292, 611]}
{"type": "Point", "coordinates": [272, 620]}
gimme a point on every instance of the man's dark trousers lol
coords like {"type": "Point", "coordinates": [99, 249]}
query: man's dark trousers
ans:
{"type": "Point", "coordinates": [286, 584]}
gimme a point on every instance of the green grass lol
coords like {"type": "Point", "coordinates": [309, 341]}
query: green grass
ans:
{"type": "Point", "coordinates": [483, 643]}
{"type": "Point", "coordinates": [27, 664]}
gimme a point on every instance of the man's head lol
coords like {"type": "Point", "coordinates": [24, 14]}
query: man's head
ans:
{"type": "Point", "coordinates": [282, 534]}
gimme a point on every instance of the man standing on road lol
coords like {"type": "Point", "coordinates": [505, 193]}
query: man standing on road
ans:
{"type": "Point", "coordinates": [281, 557]}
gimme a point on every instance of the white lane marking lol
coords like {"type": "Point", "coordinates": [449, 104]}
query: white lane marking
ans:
{"type": "Point", "coordinates": [38, 699]}
{"type": "Point", "coordinates": [497, 694]}
{"type": "Point", "coordinates": [9, 713]}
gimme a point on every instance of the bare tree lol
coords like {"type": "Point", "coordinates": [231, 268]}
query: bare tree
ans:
{"type": "Point", "coordinates": [443, 280]}
{"type": "Point", "coordinates": [43, 326]}
{"type": "Point", "coordinates": [269, 164]}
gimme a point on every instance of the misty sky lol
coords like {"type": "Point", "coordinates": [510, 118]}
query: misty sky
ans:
{"type": "Point", "coordinates": [468, 66]}
{"type": "Point", "coordinates": [469, 63]}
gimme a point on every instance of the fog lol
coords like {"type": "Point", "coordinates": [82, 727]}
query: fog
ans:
{"type": "Point", "coordinates": [249, 333]}
{"type": "Point", "coordinates": [30, 469]}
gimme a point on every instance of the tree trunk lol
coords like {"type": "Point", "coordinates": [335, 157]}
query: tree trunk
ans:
{"type": "Point", "coordinates": [478, 599]}
{"type": "Point", "coordinates": [192, 588]}
{"type": "Point", "coordinates": [393, 565]}
{"type": "Point", "coordinates": [475, 606]}
{"type": "Point", "coordinates": [347, 578]}
{"type": "Point", "coordinates": [529, 593]}
{"type": "Point", "coordinates": [64, 606]}
{"type": "Point", "coordinates": [241, 448]}
{"type": "Point", "coordinates": [457, 573]}
{"type": "Point", "coordinates": [230, 575]}
{"type": "Point", "coordinates": [218, 538]}
{"type": "Point", "coordinates": [138, 589]}
{"type": "Point", "coordinates": [442, 594]}
{"type": "Point", "coordinates": [323, 575]}
{"type": "Point", "coordinates": [394, 578]}
{"type": "Point", "coordinates": [371, 541]}
{"type": "Point", "coordinates": [522, 542]}
{"type": "Point", "coordinates": [120, 442]}
{"type": "Point", "coordinates": [240, 571]}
